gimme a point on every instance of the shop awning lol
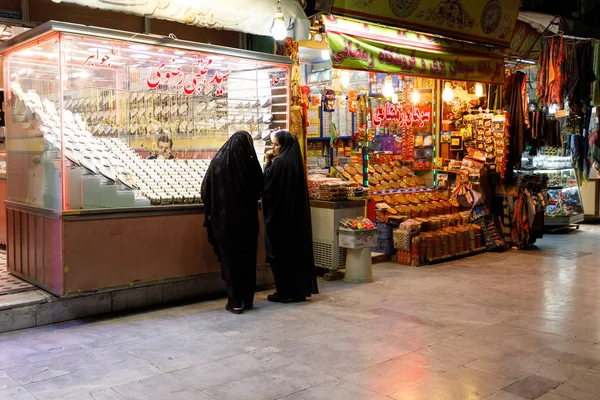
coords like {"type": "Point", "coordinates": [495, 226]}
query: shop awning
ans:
{"type": "Point", "coordinates": [366, 46]}
{"type": "Point", "coordinates": [482, 21]}
{"type": "Point", "coordinates": [254, 17]}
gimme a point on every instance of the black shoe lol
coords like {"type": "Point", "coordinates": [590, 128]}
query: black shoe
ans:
{"type": "Point", "coordinates": [234, 310]}
{"type": "Point", "coordinates": [276, 298]}
{"type": "Point", "coordinates": [297, 299]}
{"type": "Point", "coordinates": [248, 306]}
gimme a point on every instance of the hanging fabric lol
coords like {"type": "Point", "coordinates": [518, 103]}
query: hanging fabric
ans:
{"type": "Point", "coordinates": [518, 123]}
{"type": "Point", "coordinates": [596, 88]}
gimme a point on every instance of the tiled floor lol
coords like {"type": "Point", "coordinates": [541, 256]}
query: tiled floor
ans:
{"type": "Point", "coordinates": [509, 326]}
{"type": "Point", "coordinates": [10, 283]}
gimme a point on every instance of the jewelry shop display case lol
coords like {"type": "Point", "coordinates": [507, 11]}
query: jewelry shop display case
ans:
{"type": "Point", "coordinates": [94, 201]}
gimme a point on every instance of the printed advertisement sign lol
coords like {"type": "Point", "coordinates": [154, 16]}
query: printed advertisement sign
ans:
{"type": "Point", "coordinates": [485, 21]}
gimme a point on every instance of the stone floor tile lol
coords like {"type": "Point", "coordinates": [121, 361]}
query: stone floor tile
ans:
{"type": "Point", "coordinates": [93, 379]}
{"type": "Point", "coordinates": [336, 390]}
{"type": "Point", "coordinates": [498, 368]}
{"type": "Point", "coordinates": [231, 369]}
{"type": "Point", "coordinates": [526, 362]}
{"type": "Point", "coordinates": [438, 358]}
{"type": "Point", "coordinates": [49, 365]}
{"type": "Point", "coordinates": [106, 394]}
{"type": "Point", "coordinates": [586, 359]}
{"type": "Point", "coordinates": [561, 371]}
{"type": "Point", "coordinates": [532, 387]}
{"type": "Point", "coordinates": [171, 352]}
{"type": "Point", "coordinates": [271, 385]}
{"type": "Point", "coordinates": [391, 376]}
{"type": "Point", "coordinates": [553, 395]}
{"type": "Point", "coordinates": [16, 393]}
{"type": "Point", "coordinates": [460, 383]}
{"type": "Point", "coordinates": [503, 395]}
{"type": "Point", "coordinates": [6, 382]}
{"type": "Point", "coordinates": [159, 388]}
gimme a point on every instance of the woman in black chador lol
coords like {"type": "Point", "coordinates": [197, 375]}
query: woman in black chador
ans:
{"type": "Point", "coordinates": [230, 192]}
{"type": "Point", "coordinates": [288, 232]}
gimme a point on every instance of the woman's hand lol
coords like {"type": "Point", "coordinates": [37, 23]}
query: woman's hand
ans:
{"type": "Point", "coordinates": [269, 155]}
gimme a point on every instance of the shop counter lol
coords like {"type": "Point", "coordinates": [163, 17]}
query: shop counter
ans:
{"type": "Point", "coordinates": [76, 252]}
{"type": "Point", "coordinates": [326, 217]}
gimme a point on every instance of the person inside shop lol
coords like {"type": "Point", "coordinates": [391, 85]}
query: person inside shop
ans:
{"type": "Point", "coordinates": [164, 145]}
{"type": "Point", "coordinates": [230, 192]}
{"type": "Point", "coordinates": [288, 231]}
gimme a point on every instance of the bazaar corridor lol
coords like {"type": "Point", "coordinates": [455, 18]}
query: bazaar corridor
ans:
{"type": "Point", "coordinates": [498, 326]}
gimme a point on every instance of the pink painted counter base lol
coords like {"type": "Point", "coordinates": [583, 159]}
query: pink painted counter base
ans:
{"type": "Point", "coordinates": [72, 254]}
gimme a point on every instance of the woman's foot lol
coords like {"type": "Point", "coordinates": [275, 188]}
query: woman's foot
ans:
{"type": "Point", "coordinates": [277, 298]}
{"type": "Point", "coordinates": [236, 310]}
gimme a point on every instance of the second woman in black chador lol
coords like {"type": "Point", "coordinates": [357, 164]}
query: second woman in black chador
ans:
{"type": "Point", "coordinates": [288, 231]}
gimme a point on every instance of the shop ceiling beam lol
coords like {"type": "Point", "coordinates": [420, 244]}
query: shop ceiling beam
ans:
{"type": "Point", "coordinates": [17, 22]}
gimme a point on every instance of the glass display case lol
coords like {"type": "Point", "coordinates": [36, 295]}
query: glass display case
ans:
{"type": "Point", "coordinates": [565, 206]}
{"type": "Point", "coordinates": [104, 119]}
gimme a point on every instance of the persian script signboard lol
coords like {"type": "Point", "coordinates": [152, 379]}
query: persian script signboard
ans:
{"type": "Point", "coordinates": [363, 46]}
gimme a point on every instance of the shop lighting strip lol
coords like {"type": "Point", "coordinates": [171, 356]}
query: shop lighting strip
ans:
{"type": "Point", "coordinates": [112, 34]}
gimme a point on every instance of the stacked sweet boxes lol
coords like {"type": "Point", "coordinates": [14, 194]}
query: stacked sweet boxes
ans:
{"type": "Point", "coordinates": [385, 239]}
{"type": "Point", "coordinates": [403, 242]}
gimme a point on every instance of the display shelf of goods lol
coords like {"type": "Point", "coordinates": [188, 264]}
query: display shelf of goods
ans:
{"type": "Point", "coordinates": [422, 241]}
{"type": "Point", "coordinates": [417, 203]}
{"type": "Point", "coordinates": [564, 207]}
{"type": "Point", "coordinates": [322, 187]}
{"type": "Point", "coordinates": [564, 198]}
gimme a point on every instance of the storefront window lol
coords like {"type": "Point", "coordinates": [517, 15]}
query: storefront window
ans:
{"type": "Point", "coordinates": [32, 121]}
{"type": "Point", "coordinates": [138, 120]}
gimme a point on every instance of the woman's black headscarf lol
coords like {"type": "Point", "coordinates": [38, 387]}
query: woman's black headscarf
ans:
{"type": "Point", "coordinates": [230, 193]}
{"type": "Point", "coordinates": [286, 209]}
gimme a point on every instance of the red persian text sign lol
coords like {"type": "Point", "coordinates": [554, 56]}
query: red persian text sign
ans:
{"type": "Point", "coordinates": [405, 115]}
{"type": "Point", "coordinates": [190, 83]}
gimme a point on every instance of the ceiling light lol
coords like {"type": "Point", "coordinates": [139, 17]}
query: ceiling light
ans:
{"type": "Point", "coordinates": [140, 56]}
{"type": "Point", "coordinates": [278, 30]}
{"type": "Point", "coordinates": [416, 96]}
{"type": "Point", "coordinates": [448, 93]}
{"type": "Point", "coordinates": [478, 90]}
{"type": "Point", "coordinates": [388, 87]}
{"type": "Point", "coordinates": [179, 52]}
{"type": "Point", "coordinates": [345, 78]}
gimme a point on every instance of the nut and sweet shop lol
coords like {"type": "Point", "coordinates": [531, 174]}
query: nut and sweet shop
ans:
{"type": "Point", "coordinates": [411, 117]}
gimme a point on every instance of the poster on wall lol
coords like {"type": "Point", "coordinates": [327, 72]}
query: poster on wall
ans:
{"type": "Point", "coordinates": [485, 21]}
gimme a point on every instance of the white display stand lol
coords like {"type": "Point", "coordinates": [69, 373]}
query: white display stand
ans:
{"type": "Point", "coordinates": [358, 254]}
{"type": "Point", "coordinates": [358, 266]}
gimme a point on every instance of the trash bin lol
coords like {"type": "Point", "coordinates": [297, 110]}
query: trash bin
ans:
{"type": "Point", "coordinates": [358, 256]}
